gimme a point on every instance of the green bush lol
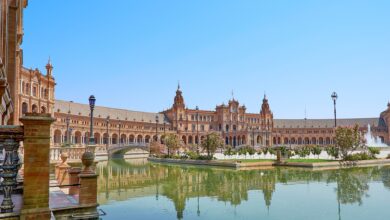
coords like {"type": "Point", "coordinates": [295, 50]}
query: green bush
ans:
{"type": "Point", "coordinates": [333, 151]}
{"type": "Point", "coordinates": [229, 151]}
{"type": "Point", "coordinates": [303, 151]}
{"type": "Point", "coordinates": [205, 157]}
{"type": "Point", "coordinates": [359, 156]}
{"type": "Point", "coordinates": [316, 150]}
{"type": "Point", "coordinates": [374, 151]}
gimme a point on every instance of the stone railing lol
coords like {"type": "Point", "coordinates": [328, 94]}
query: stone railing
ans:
{"type": "Point", "coordinates": [74, 153]}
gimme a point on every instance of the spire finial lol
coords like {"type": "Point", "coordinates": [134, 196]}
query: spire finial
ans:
{"type": "Point", "coordinates": [49, 67]}
{"type": "Point", "coordinates": [232, 94]}
{"type": "Point", "coordinates": [178, 85]}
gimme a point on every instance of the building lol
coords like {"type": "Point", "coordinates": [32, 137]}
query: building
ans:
{"type": "Point", "coordinates": [28, 90]}
{"type": "Point", "coordinates": [231, 121]}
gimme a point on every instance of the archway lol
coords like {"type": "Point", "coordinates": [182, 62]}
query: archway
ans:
{"type": "Point", "coordinates": [123, 139]}
{"type": "Point", "coordinates": [139, 139]}
{"type": "Point", "coordinates": [131, 138]}
{"type": "Point", "coordinates": [106, 138]}
{"type": "Point", "coordinates": [34, 108]}
{"type": "Point", "coordinates": [114, 138]}
{"type": "Point", "coordinates": [147, 139]}
{"type": "Point", "coordinates": [24, 108]}
{"type": "Point", "coordinates": [97, 138]}
{"type": "Point", "coordinates": [43, 109]}
{"type": "Point", "coordinates": [57, 137]}
{"type": "Point", "coordinates": [77, 137]}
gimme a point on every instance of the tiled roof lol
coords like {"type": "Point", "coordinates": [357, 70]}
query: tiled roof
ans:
{"type": "Point", "coordinates": [324, 123]}
{"type": "Point", "coordinates": [113, 113]}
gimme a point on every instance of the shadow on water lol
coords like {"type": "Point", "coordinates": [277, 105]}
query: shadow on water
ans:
{"type": "Point", "coordinates": [119, 179]}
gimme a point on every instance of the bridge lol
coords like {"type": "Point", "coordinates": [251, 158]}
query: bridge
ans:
{"type": "Point", "coordinates": [119, 150]}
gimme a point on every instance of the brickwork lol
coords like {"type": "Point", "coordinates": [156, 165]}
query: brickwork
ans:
{"type": "Point", "coordinates": [36, 166]}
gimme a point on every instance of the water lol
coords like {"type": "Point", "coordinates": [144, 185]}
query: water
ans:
{"type": "Point", "coordinates": [140, 190]}
{"type": "Point", "coordinates": [372, 141]}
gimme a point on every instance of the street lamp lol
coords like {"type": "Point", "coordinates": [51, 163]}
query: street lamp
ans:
{"type": "Point", "coordinates": [334, 97]}
{"type": "Point", "coordinates": [67, 129]}
{"type": "Point", "coordinates": [107, 121]}
{"type": "Point", "coordinates": [156, 139]}
{"type": "Point", "coordinates": [197, 129]}
{"type": "Point", "coordinates": [92, 101]}
{"type": "Point", "coordinates": [119, 131]}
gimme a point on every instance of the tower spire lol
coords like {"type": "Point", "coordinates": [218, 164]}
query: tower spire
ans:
{"type": "Point", "coordinates": [178, 85]}
{"type": "Point", "coordinates": [49, 68]}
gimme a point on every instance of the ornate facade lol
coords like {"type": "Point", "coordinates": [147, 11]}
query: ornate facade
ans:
{"type": "Point", "coordinates": [26, 90]}
{"type": "Point", "coordinates": [235, 125]}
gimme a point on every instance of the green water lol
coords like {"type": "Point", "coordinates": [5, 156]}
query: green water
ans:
{"type": "Point", "coordinates": [136, 189]}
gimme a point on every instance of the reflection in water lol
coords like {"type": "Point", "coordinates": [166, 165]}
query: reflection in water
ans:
{"type": "Point", "coordinates": [120, 180]}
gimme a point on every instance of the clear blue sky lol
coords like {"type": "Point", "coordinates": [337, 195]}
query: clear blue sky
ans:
{"type": "Point", "coordinates": [131, 54]}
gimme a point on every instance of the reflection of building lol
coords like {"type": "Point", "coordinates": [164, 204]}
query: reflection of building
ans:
{"type": "Point", "coordinates": [231, 121]}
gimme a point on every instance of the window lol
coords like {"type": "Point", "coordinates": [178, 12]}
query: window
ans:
{"type": "Point", "coordinates": [202, 127]}
{"type": "Point", "coordinates": [35, 91]}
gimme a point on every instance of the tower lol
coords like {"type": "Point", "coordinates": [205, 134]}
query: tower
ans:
{"type": "Point", "coordinates": [266, 120]}
{"type": "Point", "coordinates": [179, 113]}
{"type": "Point", "coordinates": [49, 68]}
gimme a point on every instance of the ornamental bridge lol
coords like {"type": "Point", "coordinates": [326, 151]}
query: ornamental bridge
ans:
{"type": "Point", "coordinates": [119, 150]}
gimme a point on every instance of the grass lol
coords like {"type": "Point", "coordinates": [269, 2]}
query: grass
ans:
{"type": "Point", "coordinates": [308, 160]}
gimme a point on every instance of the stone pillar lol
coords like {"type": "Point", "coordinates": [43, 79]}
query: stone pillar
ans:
{"type": "Point", "coordinates": [36, 166]}
{"type": "Point", "coordinates": [88, 181]}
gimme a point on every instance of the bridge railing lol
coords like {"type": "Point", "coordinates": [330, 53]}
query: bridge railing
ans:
{"type": "Point", "coordinates": [74, 153]}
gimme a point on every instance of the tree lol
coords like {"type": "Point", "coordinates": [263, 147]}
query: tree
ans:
{"type": "Point", "coordinates": [172, 142]}
{"type": "Point", "coordinates": [347, 139]}
{"type": "Point", "coordinates": [156, 147]}
{"type": "Point", "coordinates": [211, 143]}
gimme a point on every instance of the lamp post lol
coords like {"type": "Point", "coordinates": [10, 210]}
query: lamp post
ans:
{"type": "Point", "coordinates": [67, 129]}
{"type": "Point", "coordinates": [156, 128]}
{"type": "Point", "coordinates": [197, 129]}
{"type": "Point", "coordinates": [120, 138]}
{"type": "Point", "coordinates": [334, 98]}
{"type": "Point", "coordinates": [92, 101]}
{"type": "Point", "coordinates": [253, 137]}
{"type": "Point", "coordinates": [107, 140]}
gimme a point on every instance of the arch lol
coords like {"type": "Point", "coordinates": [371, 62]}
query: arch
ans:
{"type": "Point", "coordinates": [243, 139]}
{"type": "Point", "coordinates": [139, 139]}
{"type": "Point", "coordinates": [238, 140]}
{"type": "Point", "coordinates": [123, 139]}
{"type": "Point", "coordinates": [97, 138]}
{"type": "Point", "coordinates": [184, 139]}
{"type": "Point", "coordinates": [190, 139]}
{"type": "Point", "coordinates": [43, 109]}
{"type": "Point", "coordinates": [321, 141]}
{"type": "Point", "coordinates": [227, 141]}
{"type": "Point", "coordinates": [106, 138]}
{"type": "Point", "coordinates": [155, 138]}
{"type": "Point", "coordinates": [34, 108]}
{"type": "Point", "coordinates": [114, 138]}
{"type": "Point", "coordinates": [24, 108]}
{"type": "Point", "coordinates": [196, 140]}
{"type": "Point", "coordinates": [86, 138]}
{"type": "Point", "coordinates": [279, 140]}
{"type": "Point", "coordinates": [327, 141]}
{"type": "Point", "coordinates": [259, 140]}
{"type": "Point", "coordinates": [307, 140]}
{"type": "Point", "coordinates": [77, 137]}
{"type": "Point", "coordinates": [299, 140]}
{"type": "Point", "coordinates": [293, 141]}
{"type": "Point", "coordinates": [147, 139]}
{"type": "Point", "coordinates": [274, 140]}
{"type": "Point", "coordinates": [313, 140]}
{"type": "Point", "coordinates": [131, 138]}
{"type": "Point", "coordinates": [57, 137]}
{"type": "Point", "coordinates": [285, 141]}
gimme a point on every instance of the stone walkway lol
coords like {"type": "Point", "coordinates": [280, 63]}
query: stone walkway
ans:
{"type": "Point", "coordinates": [60, 198]}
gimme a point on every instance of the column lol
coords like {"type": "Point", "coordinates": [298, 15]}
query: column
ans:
{"type": "Point", "coordinates": [36, 165]}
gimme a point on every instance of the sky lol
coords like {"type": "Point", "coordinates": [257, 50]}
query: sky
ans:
{"type": "Point", "coordinates": [132, 54]}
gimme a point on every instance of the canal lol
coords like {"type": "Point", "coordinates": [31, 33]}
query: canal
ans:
{"type": "Point", "coordinates": [137, 189]}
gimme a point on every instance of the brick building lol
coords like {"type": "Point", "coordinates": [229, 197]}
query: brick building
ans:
{"type": "Point", "coordinates": [231, 121]}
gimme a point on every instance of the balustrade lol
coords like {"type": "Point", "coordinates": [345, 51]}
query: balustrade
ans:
{"type": "Point", "coordinates": [10, 137]}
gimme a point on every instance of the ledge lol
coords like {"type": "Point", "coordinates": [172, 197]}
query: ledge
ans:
{"type": "Point", "coordinates": [233, 164]}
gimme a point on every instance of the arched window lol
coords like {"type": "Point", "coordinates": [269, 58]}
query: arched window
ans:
{"type": "Point", "coordinates": [24, 108]}
{"type": "Point", "coordinates": [34, 108]}
{"type": "Point", "coordinates": [43, 109]}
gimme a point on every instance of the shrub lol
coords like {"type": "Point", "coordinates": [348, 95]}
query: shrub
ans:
{"type": "Point", "coordinates": [229, 151]}
{"type": "Point", "coordinates": [333, 151]}
{"type": "Point", "coordinates": [359, 156]}
{"type": "Point", "coordinates": [316, 150]}
{"type": "Point", "coordinates": [205, 157]}
{"type": "Point", "coordinates": [374, 151]}
{"type": "Point", "coordinates": [303, 151]}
